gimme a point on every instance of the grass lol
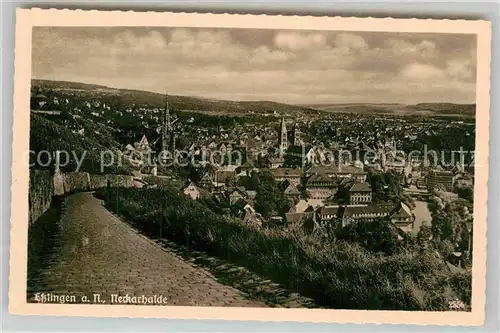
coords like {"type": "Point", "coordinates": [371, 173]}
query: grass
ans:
{"type": "Point", "coordinates": [338, 275]}
{"type": "Point", "coordinates": [46, 135]}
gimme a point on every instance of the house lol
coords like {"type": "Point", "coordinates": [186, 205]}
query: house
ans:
{"type": "Point", "coordinates": [236, 196]}
{"type": "Point", "coordinates": [245, 168]}
{"type": "Point", "coordinates": [207, 180]}
{"type": "Point", "coordinates": [295, 215]}
{"type": "Point", "coordinates": [340, 171]}
{"type": "Point", "coordinates": [360, 193]}
{"type": "Point", "coordinates": [402, 217]}
{"type": "Point", "coordinates": [352, 172]}
{"type": "Point", "coordinates": [277, 162]}
{"type": "Point", "coordinates": [369, 212]}
{"type": "Point", "coordinates": [38, 101]}
{"type": "Point", "coordinates": [289, 189]}
{"type": "Point", "coordinates": [311, 156]}
{"type": "Point", "coordinates": [251, 194]}
{"type": "Point", "coordinates": [440, 178]}
{"type": "Point", "coordinates": [327, 213]}
{"type": "Point", "coordinates": [421, 184]}
{"type": "Point", "coordinates": [320, 186]}
{"type": "Point", "coordinates": [225, 174]}
{"type": "Point", "coordinates": [304, 204]}
{"type": "Point", "coordinates": [293, 175]}
{"type": "Point", "coordinates": [191, 190]}
{"type": "Point", "coordinates": [128, 149]}
{"type": "Point", "coordinates": [142, 145]}
{"type": "Point", "coordinates": [251, 216]}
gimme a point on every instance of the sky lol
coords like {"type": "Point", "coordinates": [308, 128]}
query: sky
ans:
{"type": "Point", "coordinates": [291, 66]}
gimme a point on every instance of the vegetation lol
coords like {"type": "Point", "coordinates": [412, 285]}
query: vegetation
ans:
{"type": "Point", "coordinates": [338, 274]}
{"type": "Point", "coordinates": [376, 236]}
{"type": "Point", "coordinates": [269, 200]}
{"type": "Point", "coordinates": [451, 224]}
{"type": "Point", "coordinates": [47, 136]}
{"type": "Point", "coordinates": [115, 97]}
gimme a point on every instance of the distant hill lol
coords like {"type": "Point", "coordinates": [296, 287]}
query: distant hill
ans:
{"type": "Point", "coordinates": [181, 103]}
{"type": "Point", "coordinates": [446, 108]}
{"type": "Point", "coordinates": [434, 109]}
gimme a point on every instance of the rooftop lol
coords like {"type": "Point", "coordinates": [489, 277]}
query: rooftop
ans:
{"type": "Point", "coordinates": [302, 205]}
{"type": "Point", "coordinates": [319, 178]}
{"type": "Point", "coordinates": [367, 209]}
{"type": "Point", "coordinates": [329, 210]}
{"type": "Point", "coordinates": [280, 172]}
{"type": "Point", "coordinates": [360, 187]}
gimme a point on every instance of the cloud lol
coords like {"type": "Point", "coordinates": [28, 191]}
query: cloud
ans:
{"type": "Point", "coordinates": [264, 55]}
{"type": "Point", "coordinates": [422, 72]}
{"type": "Point", "coordinates": [292, 66]}
{"type": "Point", "coordinates": [349, 43]}
{"type": "Point", "coordinates": [128, 40]}
{"type": "Point", "coordinates": [401, 47]}
{"type": "Point", "coordinates": [462, 69]}
{"type": "Point", "coordinates": [296, 41]}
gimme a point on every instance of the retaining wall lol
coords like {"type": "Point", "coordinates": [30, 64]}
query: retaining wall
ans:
{"type": "Point", "coordinates": [40, 193]}
{"type": "Point", "coordinates": [43, 186]}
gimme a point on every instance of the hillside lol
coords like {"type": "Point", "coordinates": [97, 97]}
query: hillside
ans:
{"type": "Point", "coordinates": [46, 135]}
{"type": "Point", "coordinates": [432, 109]}
{"type": "Point", "coordinates": [181, 103]}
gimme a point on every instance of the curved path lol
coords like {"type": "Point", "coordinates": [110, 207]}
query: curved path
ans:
{"type": "Point", "coordinates": [97, 253]}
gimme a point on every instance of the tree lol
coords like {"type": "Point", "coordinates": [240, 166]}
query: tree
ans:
{"type": "Point", "coordinates": [263, 162]}
{"type": "Point", "coordinates": [466, 192]}
{"type": "Point", "coordinates": [442, 226]}
{"type": "Point", "coordinates": [424, 236]}
{"type": "Point", "coordinates": [269, 200]}
{"type": "Point", "coordinates": [386, 186]}
{"type": "Point", "coordinates": [376, 236]}
{"type": "Point", "coordinates": [446, 248]}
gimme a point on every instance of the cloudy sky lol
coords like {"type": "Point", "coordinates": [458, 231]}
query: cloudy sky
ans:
{"type": "Point", "coordinates": [300, 67]}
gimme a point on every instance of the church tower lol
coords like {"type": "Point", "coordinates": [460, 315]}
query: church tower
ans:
{"type": "Point", "coordinates": [296, 135]}
{"type": "Point", "coordinates": [283, 142]}
{"type": "Point", "coordinates": [167, 129]}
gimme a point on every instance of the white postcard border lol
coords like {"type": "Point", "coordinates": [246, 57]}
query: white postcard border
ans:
{"type": "Point", "coordinates": [26, 19]}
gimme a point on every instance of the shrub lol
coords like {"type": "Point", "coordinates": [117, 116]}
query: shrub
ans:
{"type": "Point", "coordinates": [46, 135]}
{"type": "Point", "coordinates": [337, 274]}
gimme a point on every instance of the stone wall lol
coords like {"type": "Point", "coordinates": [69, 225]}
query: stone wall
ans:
{"type": "Point", "coordinates": [76, 181]}
{"type": "Point", "coordinates": [40, 193]}
{"type": "Point", "coordinates": [98, 181]}
{"type": "Point", "coordinates": [43, 186]}
{"type": "Point", "coordinates": [121, 180]}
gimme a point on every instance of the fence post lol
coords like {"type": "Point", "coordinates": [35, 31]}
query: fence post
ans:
{"type": "Point", "coordinates": [117, 195]}
{"type": "Point", "coordinates": [108, 189]}
{"type": "Point", "coordinates": [162, 219]}
{"type": "Point", "coordinates": [117, 201]}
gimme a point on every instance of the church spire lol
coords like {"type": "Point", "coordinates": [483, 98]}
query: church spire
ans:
{"type": "Point", "coordinates": [283, 142]}
{"type": "Point", "coordinates": [167, 130]}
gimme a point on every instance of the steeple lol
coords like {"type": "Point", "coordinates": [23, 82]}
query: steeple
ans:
{"type": "Point", "coordinates": [283, 143]}
{"type": "Point", "coordinates": [167, 129]}
{"type": "Point", "coordinates": [296, 135]}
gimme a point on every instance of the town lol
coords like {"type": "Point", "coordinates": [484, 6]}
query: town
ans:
{"type": "Point", "coordinates": [322, 168]}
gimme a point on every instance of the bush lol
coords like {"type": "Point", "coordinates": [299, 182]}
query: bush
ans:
{"type": "Point", "coordinates": [337, 275]}
{"type": "Point", "coordinates": [46, 135]}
